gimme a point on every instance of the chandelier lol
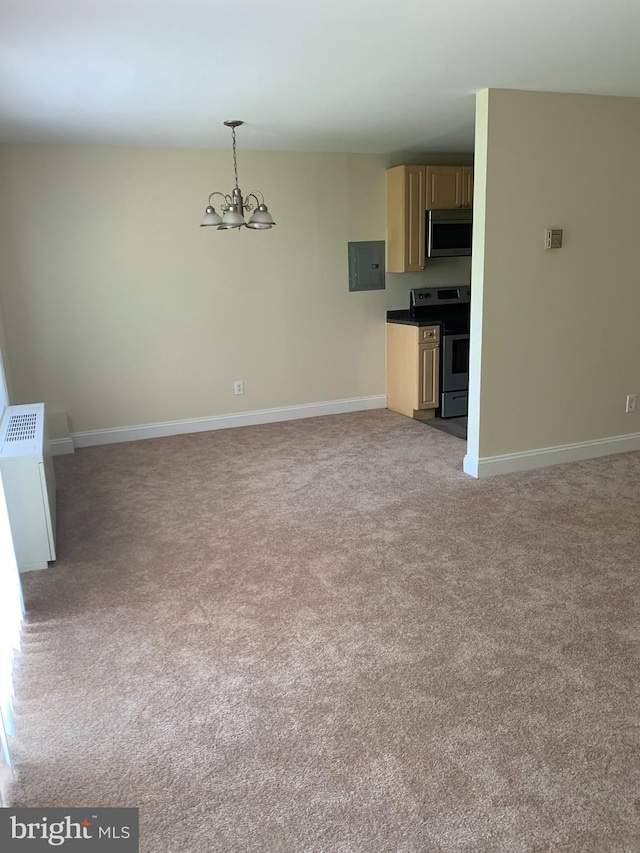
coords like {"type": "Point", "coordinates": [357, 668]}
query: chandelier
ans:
{"type": "Point", "coordinates": [234, 206]}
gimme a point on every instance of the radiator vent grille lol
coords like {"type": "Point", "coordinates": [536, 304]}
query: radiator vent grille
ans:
{"type": "Point", "coordinates": [22, 427]}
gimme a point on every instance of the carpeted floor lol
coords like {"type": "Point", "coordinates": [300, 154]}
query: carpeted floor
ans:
{"type": "Point", "coordinates": [321, 636]}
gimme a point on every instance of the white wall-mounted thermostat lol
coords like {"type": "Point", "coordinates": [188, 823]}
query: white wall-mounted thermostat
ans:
{"type": "Point", "coordinates": [553, 238]}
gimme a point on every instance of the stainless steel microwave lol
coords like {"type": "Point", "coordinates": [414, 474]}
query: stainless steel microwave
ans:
{"type": "Point", "coordinates": [448, 233]}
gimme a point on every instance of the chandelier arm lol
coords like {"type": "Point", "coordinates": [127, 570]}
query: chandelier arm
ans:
{"type": "Point", "coordinates": [253, 193]}
{"type": "Point", "coordinates": [225, 197]}
{"type": "Point", "coordinates": [258, 202]}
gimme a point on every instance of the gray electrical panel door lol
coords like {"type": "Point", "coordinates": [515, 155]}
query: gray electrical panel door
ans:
{"type": "Point", "coordinates": [366, 265]}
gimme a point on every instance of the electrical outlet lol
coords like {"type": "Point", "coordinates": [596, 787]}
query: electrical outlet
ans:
{"type": "Point", "coordinates": [238, 387]}
{"type": "Point", "coordinates": [631, 403]}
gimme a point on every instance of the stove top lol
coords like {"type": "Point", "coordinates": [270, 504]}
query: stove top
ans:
{"type": "Point", "coordinates": [450, 306]}
{"type": "Point", "coordinates": [431, 297]}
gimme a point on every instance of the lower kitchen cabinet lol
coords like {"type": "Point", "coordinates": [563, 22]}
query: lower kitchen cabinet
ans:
{"type": "Point", "coordinates": [413, 368]}
{"type": "Point", "coordinates": [428, 376]}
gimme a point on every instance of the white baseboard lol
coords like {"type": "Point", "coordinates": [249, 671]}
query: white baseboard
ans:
{"type": "Point", "coordinates": [527, 460]}
{"type": "Point", "coordinates": [91, 438]}
{"type": "Point", "coordinates": [60, 446]}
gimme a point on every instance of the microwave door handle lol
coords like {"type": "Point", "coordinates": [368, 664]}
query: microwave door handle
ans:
{"type": "Point", "coordinates": [429, 236]}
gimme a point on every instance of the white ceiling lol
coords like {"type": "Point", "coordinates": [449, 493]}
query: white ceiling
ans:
{"type": "Point", "coordinates": [336, 75]}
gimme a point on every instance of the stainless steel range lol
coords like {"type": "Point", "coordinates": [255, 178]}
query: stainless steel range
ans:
{"type": "Point", "coordinates": [451, 307]}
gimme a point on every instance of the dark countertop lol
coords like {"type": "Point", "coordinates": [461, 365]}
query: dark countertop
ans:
{"type": "Point", "coordinates": [406, 319]}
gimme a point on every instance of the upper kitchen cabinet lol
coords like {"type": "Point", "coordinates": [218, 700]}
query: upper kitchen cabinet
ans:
{"type": "Point", "coordinates": [411, 191]}
{"type": "Point", "coordinates": [449, 187]}
{"type": "Point", "coordinates": [406, 205]}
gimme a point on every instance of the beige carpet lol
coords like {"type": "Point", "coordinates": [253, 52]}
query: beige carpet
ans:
{"type": "Point", "coordinates": [322, 636]}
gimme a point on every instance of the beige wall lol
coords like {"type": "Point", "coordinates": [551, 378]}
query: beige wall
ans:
{"type": "Point", "coordinates": [120, 311]}
{"type": "Point", "coordinates": [6, 391]}
{"type": "Point", "coordinates": [555, 341]}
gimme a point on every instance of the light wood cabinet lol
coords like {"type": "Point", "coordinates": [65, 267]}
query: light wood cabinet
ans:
{"type": "Point", "coordinates": [428, 376]}
{"type": "Point", "coordinates": [467, 186]}
{"type": "Point", "coordinates": [406, 205]}
{"type": "Point", "coordinates": [449, 187]}
{"type": "Point", "coordinates": [412, 190]}
{"type": "Point", "coordinates": [413, 369]}
{"type": "Point", "coordinates": [428, 334]}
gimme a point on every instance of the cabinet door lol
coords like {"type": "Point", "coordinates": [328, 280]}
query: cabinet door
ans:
{"type": "Point", "coordinates": [444, 187]}
{"type": "Point", "coordinates": [428, 384]}
{"type": "Point", "coordinates": [402, 368]}
{"type": "Point", "coordinates": [415, 218]}
{"type": "Point", "coordinates": [405, 218]}
{"type": "Point", "coordinates": [467, 186]}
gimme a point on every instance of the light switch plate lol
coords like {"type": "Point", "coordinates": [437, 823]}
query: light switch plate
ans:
{"type": "Point", "coordinates": [553, 238]}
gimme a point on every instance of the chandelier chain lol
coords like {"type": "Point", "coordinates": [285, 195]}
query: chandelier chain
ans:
{"type": "Point", "coordinates": [235, 162]}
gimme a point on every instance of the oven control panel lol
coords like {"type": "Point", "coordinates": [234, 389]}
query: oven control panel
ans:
{"type": "Point", "coordinates": [456, 295]}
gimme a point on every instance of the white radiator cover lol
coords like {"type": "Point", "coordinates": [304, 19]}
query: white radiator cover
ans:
{"type": "Point", "coordinates": [29, 484]}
